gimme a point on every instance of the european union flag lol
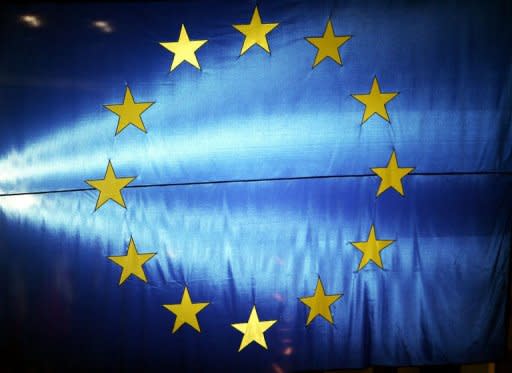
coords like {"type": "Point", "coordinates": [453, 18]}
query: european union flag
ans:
{"type": "Point", "coordinates": [270, 187]}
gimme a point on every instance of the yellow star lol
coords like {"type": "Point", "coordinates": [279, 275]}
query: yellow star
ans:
{"type": "Point", "coordinates": [328, 45]}
{"type": "Point", "coordinates": [184, 49]}
{"type": "Point", "coordinates": [132, 262]}
{"type": "Point", "coordinates": [110, 187]}
{"type": "Point", "coordinates": [255, 32]}
{"type": "Point", "coordinates": [391, 175]}
{"type": "Point", "coordinates": [371, 249]}
{"type": "Point", "coordinates": [186, 312]}
{"type": "Point", "coordinates": [375, 101]}
{"type": "Point", "coordinates": [129, 112]}
{"type": "Point", "coordinates": [253, 330]}
{"type": "Point", "coordinates": [320, 303]}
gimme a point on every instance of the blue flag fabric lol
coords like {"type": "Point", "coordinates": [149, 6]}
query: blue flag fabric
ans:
{"type": "Point", "coordinates": [319, 185]}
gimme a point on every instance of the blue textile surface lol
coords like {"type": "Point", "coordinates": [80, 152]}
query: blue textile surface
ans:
{"type": "Point", "coordinates": [441, 294]}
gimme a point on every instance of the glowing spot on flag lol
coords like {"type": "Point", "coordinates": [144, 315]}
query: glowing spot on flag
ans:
{"type": "Point", "coordinates": [18, 203]}
{"type": "Point", "coordinates": [103, 26]}
{"type": "Point", "coordinates": [276, 368]}
{"type": "Point", "coordinates": [31, 20]}
{"type": "Point", "coordinates": [288, 351]}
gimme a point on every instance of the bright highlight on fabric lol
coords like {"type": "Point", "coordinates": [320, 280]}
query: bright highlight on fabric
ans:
{"type": "Point", "coordinates": [103, 26]}
{"type": "Point", "coordinates": [31, 20]}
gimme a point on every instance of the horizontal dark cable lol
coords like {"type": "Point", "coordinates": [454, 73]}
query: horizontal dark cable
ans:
{"type": "Point", "coordinates": [235, 181]}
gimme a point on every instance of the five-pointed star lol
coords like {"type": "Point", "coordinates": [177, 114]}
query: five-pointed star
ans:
{"type": "Point", "coordinates": [320, 303]}
{"type": "Point", "coordinates": [328, 45]}
{"type": "Point", "coordinates": [371, 249]}
{"type": "Point", "coordinates": [132, 262]}
{"type": "Point", "coordinates": [392, 175]}
{"type": "Point", "coordinates": [253, 330]}
{"type": "Point", "coordinates": [184, 49]}
{"type": "Point", "coordinates": [110, 187]}
{"type": "Point", "coordinates": [186, 312]}
{"type": "Point", "coordinates": [129, 112]}
{"type": "Point", "coordinates": [255, 32]}
{"type": "Point", "coordinates": [375, 101]}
